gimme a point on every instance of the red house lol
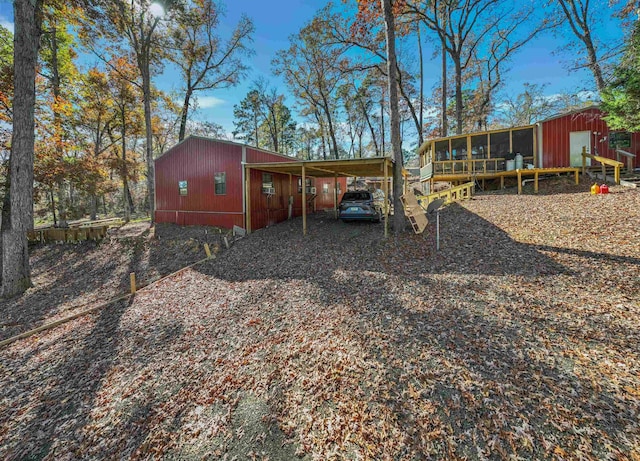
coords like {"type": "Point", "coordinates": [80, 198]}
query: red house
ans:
{"type": "Point", "coordinates": [560, 138]}
{"type": "Point", "coordinates": [200, 181]}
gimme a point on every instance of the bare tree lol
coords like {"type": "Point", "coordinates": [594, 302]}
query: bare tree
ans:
{"type": "Point", "coordinates": [206, 63]}
{"type": "Point", "coordinates": [581, 16]}
{"type": "Point", "coordinates": [485, 31]}
{"type": "Point", "coordinates": [137, 23]}
{"type": "Point", "coordinates": [312, 70]}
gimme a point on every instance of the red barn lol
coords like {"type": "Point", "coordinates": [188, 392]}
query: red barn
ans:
{"type": "Point", "coordinates": [560, 138]}
{"type": "Point", "coordinates": [201, 181]}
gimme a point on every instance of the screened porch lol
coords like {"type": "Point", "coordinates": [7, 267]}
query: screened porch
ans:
{"type": "Point", "coordinates": [480, 154]}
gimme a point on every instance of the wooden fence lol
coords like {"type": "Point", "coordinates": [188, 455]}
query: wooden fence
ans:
{"type": "Point", "coordinates": [67, 235]}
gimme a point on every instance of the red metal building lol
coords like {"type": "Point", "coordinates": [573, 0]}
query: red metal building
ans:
{"type": "Point", "coordinates": [560, 138]}
{"type": "Point", "coordinates": [201, 181]}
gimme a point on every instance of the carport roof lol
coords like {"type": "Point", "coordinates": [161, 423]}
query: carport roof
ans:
{"type": "Point", "coordinates": [357, 167]}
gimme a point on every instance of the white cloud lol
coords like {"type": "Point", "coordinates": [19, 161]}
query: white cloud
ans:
{"type": "Point", "coordinates": [4, 22]}
{"type": "Point", "coordinates": [207, 102]}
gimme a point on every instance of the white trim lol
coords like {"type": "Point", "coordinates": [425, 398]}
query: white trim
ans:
{"type": "Point", "coordinates": [539, 135]}
{"type": "Point", "coordinates": [244, 188]}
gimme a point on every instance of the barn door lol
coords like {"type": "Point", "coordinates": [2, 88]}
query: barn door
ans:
{"type": "Point", "coordinates": [578, 139]}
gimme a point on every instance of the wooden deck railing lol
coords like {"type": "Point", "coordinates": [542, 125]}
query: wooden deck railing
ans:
{"type": "Point", "coordinates": [604, 162]}
{"type": "Point", "coordinates": [473, 166]}
{"type": "Point", "coordinates": [454, 194]}
{"type": "Point", "coordinates": [629, 157]}
{"type": "Point", "coordinates": [536, 172]}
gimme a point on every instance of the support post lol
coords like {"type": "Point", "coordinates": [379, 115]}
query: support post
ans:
{"type": "Point", "coordinates": [290, 199]}
{"type": "Point", "coordinates": [501, 182]}
{"type": "Point", "coordinates": [616, 174]}
{"type": "Point", "coordinates": [584, 159]}
{"type": "Point", "coordinates": [304, 201]}
{"type": "Point", "coordinates": [535, 182]}
{"type": "Point", "coordinates": [519, 182]}
{"type": "Point", "coordinates": [335, 195]}
{"type": "Point", "coordinates": [207, 250]}
{"type": "Point", "coordinates": [248, 201]}
{"type": "Point", "coordinates": [438, 229]}
{"type": "Point", "coordinates": [577, 177]}
{"type": "Point", "coordinates": [132, 282]}
{"type": "Point", "coordinates": [385, 189]}
{"type": "Point", "coordinates": [469, 156]}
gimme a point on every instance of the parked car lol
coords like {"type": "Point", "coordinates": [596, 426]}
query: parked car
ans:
{"type": "Point", "coordinates": [359, 205]}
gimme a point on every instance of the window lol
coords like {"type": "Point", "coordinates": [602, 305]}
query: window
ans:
{"type": "Point", "coordinates": [308, 181]}
{"type": "Point", "coordinates": [267, 180]}
{"type": "Point", "coordinates": [220, 180]}
{"type": "Point", "coordinates": [182, 187]}
{"type": "Point", "coordinates": [267, 183]}
{"type": "Point", "coordinates": [325, 188]}
{"type": "Point", "coordinates": [619, 139]}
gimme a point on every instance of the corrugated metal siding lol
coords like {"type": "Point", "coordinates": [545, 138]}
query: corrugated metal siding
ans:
{"type": "Point", "coordinates": [555, 137]}
{"type": "Point", "coordinates": [196, 161]}
{"type": "Point", "coordinates": [258, 156]}
{"type": "Point", "coordinates": [324, 200]}
{"type": "Point", "coordinates": [268, 210]}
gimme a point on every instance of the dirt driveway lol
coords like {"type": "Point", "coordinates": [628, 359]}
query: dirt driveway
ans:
{"type": "Point", "coordinates": [507, 343]}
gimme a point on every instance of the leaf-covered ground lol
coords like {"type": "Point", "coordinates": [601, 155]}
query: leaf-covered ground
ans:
{"type": "Point", "coordinates": [518, 340]}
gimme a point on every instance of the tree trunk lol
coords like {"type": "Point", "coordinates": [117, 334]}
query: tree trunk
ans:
{"type": "Point", "coordinates": [53, 208]}
{"type": "Point", "coordinates": [255, 127]}
{"type": "Point", "coordinates": [94, 207]}
{"type": "Point", "coordinates": [57, 124]}
{"type": "Point", "coordinates": [62, 209]}
{"type": "Point", "coordinates": [445, 125]}
{"type": "Point", "coordinates": [421, 102]}
{"type": "Point", "coordinates": [384, 150]}
{"type": "Point", "coordinates": [373, 134]}
{"type": "Point", "coordinates": [458, 95]}
{"type": "Point", "coordinates": [151, 171]}
{"type": "Point", "coordinates": [594, 65]}
{"type": "Point", "coordinates": [17, 213]}
{"type": "Point", "coordinates": [184, 115]}
{"type": "Point", "coordinates": [398, 213]}
{"type": "Point", "coordinates": [124, 171]}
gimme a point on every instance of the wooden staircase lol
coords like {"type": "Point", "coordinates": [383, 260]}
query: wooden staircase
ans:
{"type": "Point", "coordinates": [414, 212]}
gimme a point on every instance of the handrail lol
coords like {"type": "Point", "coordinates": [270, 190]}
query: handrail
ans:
{"type": "Point", "coordinates": [451, 195]}
{"type": "Point", "coordinates": [625, 153]}
{"type": "Point", "coordinates": [604, 161]}
{"type": "Point", "coordinates": [470, 165]}
{"type": "Point", "coordinates": [628, 155]}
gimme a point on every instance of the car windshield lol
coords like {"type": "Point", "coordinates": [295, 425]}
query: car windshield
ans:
{"type": "Point", "coordinates": [355, 196]}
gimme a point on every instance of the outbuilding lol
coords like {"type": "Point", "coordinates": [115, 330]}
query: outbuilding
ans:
{"type": "Point", "coordinates": [201, 181]}
{"type": "Point", "coordinates": [562, 137]}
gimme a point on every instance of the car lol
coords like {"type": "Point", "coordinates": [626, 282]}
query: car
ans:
{"type": "Point", "coordinates": [359, 205]}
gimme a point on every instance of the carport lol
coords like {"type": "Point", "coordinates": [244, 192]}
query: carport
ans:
{"type": "Point", "coordinates": [360, 168]}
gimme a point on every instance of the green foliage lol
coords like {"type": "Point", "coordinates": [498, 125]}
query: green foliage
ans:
{"type": "Point", "coordinates": [247, 118]}
{"type": "Point", "coordinates": [621, 99]}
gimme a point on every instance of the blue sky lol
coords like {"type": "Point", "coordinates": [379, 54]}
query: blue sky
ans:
{"type": "Point", "coordinates": [276, 20]}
